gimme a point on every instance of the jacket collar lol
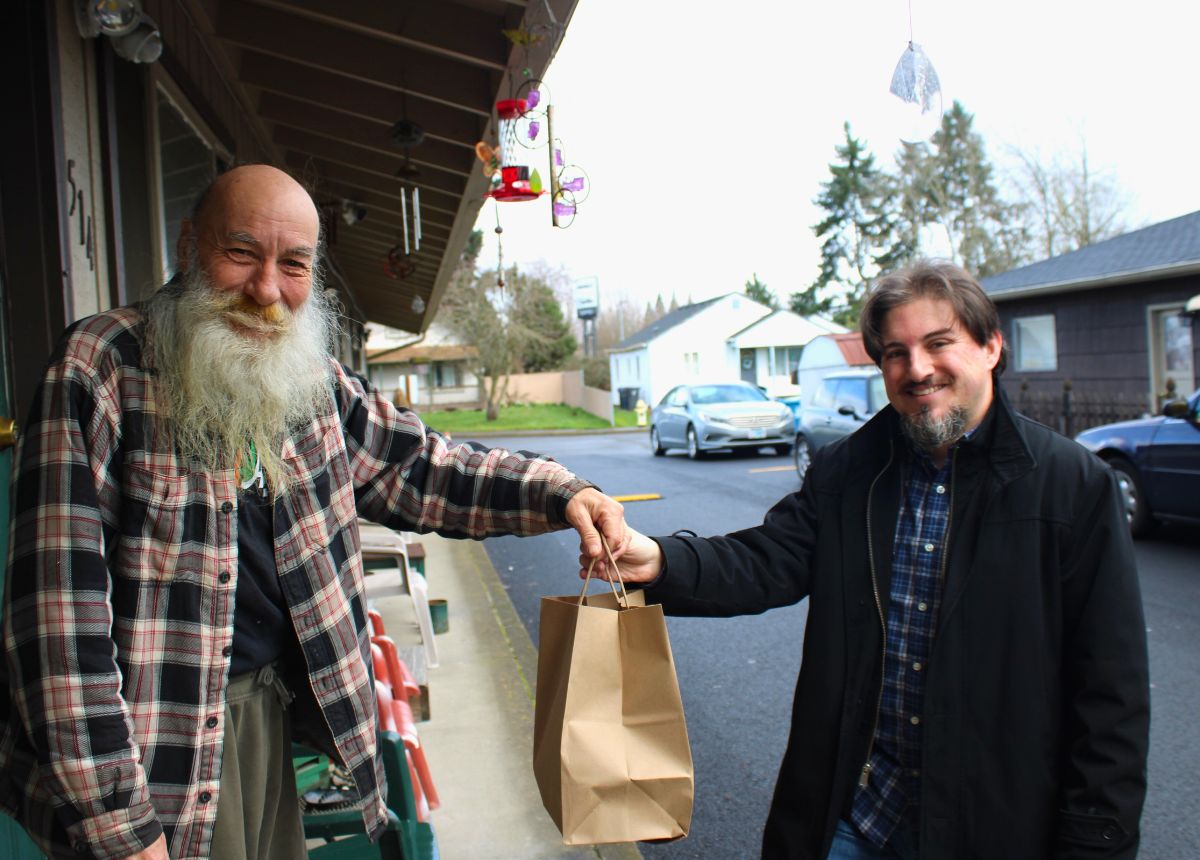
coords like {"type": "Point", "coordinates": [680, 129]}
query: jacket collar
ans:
{"type": "Point", "coordinates": [1000, 439]}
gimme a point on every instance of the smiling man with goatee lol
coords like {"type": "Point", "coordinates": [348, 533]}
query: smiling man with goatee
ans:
{"type": "Point", "coordinates": [185, 588]}
{"type": "Point", "coordinates": [975, 681]}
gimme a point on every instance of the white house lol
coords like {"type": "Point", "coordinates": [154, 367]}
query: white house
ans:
{"type": "Point", "coordinates": [728, 338]}
{"type": "Point", "coordinates": [827, 354]}
{"type": "Point", "coordinates": [768, 350]}
{"type": "Point", "coordinates": [428, 371]}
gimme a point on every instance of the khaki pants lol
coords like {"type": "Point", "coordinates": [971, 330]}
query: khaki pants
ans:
{"type": "Point", "coordinates": [258, 816]}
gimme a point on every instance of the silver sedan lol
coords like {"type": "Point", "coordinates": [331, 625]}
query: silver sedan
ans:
{"type": "Point", "coordinates": [701, 418]}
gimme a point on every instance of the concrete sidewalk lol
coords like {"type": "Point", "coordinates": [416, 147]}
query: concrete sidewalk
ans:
{"type": "Point", "coordinates": [479, 740]}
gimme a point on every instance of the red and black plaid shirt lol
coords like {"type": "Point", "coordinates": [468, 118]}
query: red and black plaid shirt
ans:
{"type": "Point", "coordinates": [118, 611]}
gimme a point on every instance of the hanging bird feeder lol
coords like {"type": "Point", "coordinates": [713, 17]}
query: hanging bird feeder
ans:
{"type": "Point", "coordinates": [517, 181]}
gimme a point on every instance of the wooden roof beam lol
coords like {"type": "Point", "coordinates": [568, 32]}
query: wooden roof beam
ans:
{"type": "Point", "coordinates": [383, 104]}
{"type": "Point", "coordinates": [263, 31]}
{"type": "Point", "coordinates": [464, 34]}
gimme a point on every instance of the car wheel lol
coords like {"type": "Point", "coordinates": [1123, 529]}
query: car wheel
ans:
{"type": "Point", "coordinates": [1133, 498]}
{"type": "Point", "coordinates": [656, 443]}
{"type": "Point", "coordinates": [693, 444]}
{"type": "Point", "coordinates": [803, 456]}
{"type": "Point", "coordinates": [783, 450]}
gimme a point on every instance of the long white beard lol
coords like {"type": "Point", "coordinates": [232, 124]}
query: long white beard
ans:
{"type": "Point", "coordinates": [222, 389]}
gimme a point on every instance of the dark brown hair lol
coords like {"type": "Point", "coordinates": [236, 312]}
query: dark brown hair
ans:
{"type": "Point", "coordinates": [931, 279]}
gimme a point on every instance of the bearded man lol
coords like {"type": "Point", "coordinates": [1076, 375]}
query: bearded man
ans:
{"type": "Point", "coordinates": [974, 682]}
{"type": "Point", "coordinates": [185, 550]}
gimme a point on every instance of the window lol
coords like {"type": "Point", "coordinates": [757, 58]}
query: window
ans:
{"type": "Point", "coordinates": [691, 363]}
{"type": "Point", "coordinates": [878, 393]}
{"type": "Point", "coordinates": [823, 399]}
{"type": "Point", "coordinates": [791, 355]}
{"type": "Point", "coordinates": [445, 375]}
{"type": "Point", "coordinates": [853, 393]}
{"type": "Point", "coordinates": [187, 161]}
{"type": "Point", "coordinates": [1035, 346]}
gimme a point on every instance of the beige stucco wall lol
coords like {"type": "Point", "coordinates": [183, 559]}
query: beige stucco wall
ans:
{"type": "Point", "coordinates": [597, 401]}
{"type": "Point", "coordinates": [540, 387]}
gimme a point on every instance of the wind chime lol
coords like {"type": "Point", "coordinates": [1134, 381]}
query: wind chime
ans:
{"type": "Point", "coordinates": [916, 84]}
{"type": "Point", "coordinates": [400, 262]}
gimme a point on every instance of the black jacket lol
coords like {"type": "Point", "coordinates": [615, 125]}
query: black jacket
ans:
{"type": "Point", "coordinates": [1037, 698]}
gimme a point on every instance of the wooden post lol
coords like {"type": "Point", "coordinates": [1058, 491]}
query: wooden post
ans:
{"type": "Point", "coordinates": [554, 186]}
{"type": "Point", "coordinates": [1066, 413]}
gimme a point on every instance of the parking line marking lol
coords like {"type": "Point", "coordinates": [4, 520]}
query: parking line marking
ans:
{"type": "Point", "coordinates": [773, 469]}
{"type": "Point", "coordinates": [638, 497]}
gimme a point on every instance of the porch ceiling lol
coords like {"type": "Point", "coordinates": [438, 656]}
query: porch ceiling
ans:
{"type": "Point", "coordinates": [325, 82]}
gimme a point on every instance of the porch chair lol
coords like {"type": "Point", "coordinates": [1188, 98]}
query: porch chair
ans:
{"type": "Point", "coordinates": [381, 543]}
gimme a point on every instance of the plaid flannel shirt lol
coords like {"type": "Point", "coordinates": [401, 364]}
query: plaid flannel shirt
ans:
{"type": "Point", "coordinates": [118, 613]}
{"type": "Point", "coordinates": [915, 597]}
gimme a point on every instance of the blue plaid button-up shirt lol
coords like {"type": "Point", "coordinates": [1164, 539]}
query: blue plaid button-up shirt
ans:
{"type": "Point", "coordinates": [893, 789]}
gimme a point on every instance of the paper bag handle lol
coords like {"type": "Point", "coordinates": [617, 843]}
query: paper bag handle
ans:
{"type": "Point", "coordinates": [622, 596]}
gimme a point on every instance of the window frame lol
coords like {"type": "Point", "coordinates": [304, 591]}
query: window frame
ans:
{"type": "Point", "coordinates": [158, 82]}
{"type": "Point", "coordinates": [1017, 355]}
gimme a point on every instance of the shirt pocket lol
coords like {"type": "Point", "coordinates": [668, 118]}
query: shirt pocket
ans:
{"type": "Point", "coordinates": [160, 515]}
{"type": "Point", "coordinates": [322, 495]}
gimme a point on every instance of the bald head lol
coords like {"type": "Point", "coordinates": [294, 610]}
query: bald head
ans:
{"type": "Point", "coordinates": [256, 231]}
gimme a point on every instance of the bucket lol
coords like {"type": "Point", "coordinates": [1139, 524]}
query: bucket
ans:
{"type": "Point", "coordinates": [439, 612]}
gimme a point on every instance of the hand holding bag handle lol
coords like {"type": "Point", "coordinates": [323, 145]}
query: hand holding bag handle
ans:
{"type": "Point", "coordinates": [622, 596]}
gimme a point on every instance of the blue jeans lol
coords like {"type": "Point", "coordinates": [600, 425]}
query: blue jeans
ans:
{"type": "Point", "coordinates": [849, 844]}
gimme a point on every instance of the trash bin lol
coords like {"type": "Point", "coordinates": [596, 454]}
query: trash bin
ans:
{"type": "Point", "coordinates": [628, 397]}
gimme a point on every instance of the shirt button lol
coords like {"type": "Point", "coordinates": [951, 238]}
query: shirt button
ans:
{"type": "Point", "coordinates": [205, 796]}
{"type": "Point", "coordinates": [916, 667]}
{"type": "Point", "coordinates": [211, 722]}
{"type": "Point", "coordinates": [940, 489]}
{"type": "Point", "coordinates": [915, 773]}
{"type": "Point", "coordinates": [922, 606]}
{"type": "Point", "coordinates": [928, 547]}
{"type": "Point", "coordinates": [224, 577]}
{"type": "Point", "coordinates": [226, 507]}
{"type": "Point", "coordinates": [916, 721]}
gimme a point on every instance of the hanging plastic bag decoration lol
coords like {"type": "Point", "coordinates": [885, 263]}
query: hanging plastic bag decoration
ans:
{"type": "Point", "coordinates": [915, 82]}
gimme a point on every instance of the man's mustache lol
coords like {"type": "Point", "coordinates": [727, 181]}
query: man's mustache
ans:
{"type": "Point", "coordinates": [247, 313]}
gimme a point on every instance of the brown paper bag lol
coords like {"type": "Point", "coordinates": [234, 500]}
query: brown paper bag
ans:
{"type": "Point", "coordinates": [610, 746]}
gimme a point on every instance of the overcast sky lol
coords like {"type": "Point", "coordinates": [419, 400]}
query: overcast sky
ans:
{"type": "Point", "coordinates": [706, 128]}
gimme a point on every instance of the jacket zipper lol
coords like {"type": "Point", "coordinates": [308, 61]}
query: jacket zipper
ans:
{"type": "Point", "coordinates": [865, 775]}
{"type": "Point", "coordinates": [866, 768]}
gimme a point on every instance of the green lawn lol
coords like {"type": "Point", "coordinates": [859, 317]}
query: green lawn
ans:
{"type": "Point", "coordinates": [541, 416]}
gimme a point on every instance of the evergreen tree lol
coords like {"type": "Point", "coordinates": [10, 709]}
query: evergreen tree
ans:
{"type": "Point", "coordinates": [953, 187]}
{"type": "Point", "coordinates": [549, 342]}
{"type": "Point", "coordinates": [858, 233]}
{"type": "Point", "coordinates": [761, 293]}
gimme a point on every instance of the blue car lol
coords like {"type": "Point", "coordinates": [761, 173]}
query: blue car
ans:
{"type": "Point", "coordinates": [1157, 463]}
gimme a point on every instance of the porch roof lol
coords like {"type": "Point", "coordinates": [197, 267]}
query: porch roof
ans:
{"type": "Point", "coordinates": [323, 83]}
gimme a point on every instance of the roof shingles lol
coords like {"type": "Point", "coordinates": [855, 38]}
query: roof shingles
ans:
{"type": "Point", "coordinates": [1159, 248]}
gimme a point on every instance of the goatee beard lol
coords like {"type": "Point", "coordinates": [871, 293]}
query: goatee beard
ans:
{"type": "Point", "coordinates": [927, 433]}
{"type": "Point", "coordinates": [221, 387]}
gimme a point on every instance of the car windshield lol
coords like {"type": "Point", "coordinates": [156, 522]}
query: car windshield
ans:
{"type": "Point", "coordinates": [878, 393]}
{"type": "Point", "coordinates": [704, 394]}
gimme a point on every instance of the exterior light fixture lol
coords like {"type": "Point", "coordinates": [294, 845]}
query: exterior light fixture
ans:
{"type": "Point", "coordinates": [135, 36]}
{"type": "Point", "coordinates": [353, 212]}
{"type": "Point", "coordinates": [418, 305]}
